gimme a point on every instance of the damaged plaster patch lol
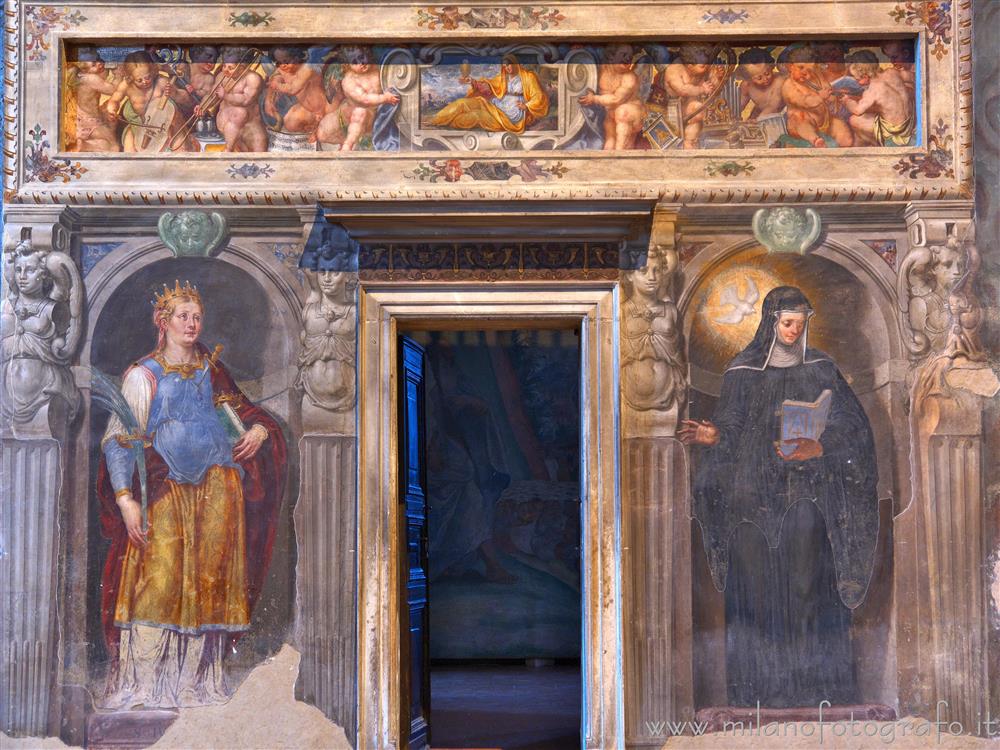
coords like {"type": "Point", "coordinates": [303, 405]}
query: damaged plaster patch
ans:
{"type": "Point", "coordinates": [33, 743]}
{"type": "Point", "coordinates": [263, 713]}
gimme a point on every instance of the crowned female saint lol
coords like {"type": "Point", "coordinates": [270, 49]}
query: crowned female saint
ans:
{"type": "Point", "coordinates": [789, 526]}
{"type": "Point", "coordinates": [175, 592]}
{"type": "Point", "coordinates": [508, 102]}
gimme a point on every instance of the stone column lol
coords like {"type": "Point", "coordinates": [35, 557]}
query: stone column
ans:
{"type": "Point", "coordinates": [38, 401]}
{"type": "Point", "coordinates": [326, 513]}
{"type": "Point", "coordinates": [941, 538]}
{"type": "Point", "coordinates": [655, 497]}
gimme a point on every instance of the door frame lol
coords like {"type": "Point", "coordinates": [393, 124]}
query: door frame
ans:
{"type": "Point", "coordinates": [390, 308]}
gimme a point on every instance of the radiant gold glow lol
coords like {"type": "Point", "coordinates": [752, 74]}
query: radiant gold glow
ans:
{"type": "Point", "coordinates": [715, 318]}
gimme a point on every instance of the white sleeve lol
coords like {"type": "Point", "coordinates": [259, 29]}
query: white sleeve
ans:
{"type": "Point", "coordinates": [137, 388]}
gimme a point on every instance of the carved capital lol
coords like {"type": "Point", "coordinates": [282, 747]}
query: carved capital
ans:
{"type": "Point", "coordinates": [932, 222]}
{"type": "Point", "coordinates": [663, 231]}
{"type": "Point", "coordinates": [52, 227]}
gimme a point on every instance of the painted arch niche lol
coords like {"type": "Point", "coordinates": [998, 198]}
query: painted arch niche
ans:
{"type": "Point", "coordinates": [246, 314]}
{"type": "Point", "coordinates": [853, 325]}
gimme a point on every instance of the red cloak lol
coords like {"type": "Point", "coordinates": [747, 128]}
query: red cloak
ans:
{"type": "Point", "coordinates": [264, 478]}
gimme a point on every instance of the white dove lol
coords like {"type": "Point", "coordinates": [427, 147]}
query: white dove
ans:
{"type": "Point", "coordinates": [743, 307]}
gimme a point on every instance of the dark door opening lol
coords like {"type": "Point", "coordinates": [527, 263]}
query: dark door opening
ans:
{"type": "Point", "coordinates": [493, 576]}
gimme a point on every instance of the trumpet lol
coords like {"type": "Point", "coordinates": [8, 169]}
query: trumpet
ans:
{"type": "Point", "coordinates": [213, 100]}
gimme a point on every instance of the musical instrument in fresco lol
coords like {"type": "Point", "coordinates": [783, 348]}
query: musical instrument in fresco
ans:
{"type": "Point", "coordinates": [213, 100]}
{"type": "Point", "coordinates": [731, 64]}
{"type": "Point", "coordinates": [154, 130]}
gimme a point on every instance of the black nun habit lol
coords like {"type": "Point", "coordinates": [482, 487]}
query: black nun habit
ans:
{"type": "Point", "coordinates": [790, 542]}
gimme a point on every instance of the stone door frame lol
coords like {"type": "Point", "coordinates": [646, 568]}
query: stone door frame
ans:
{"type": "Point", "coordinates": [389, 308]}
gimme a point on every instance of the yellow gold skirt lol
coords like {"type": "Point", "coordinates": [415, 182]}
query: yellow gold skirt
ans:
{"type": "Point", "coordinates": [191, 576]}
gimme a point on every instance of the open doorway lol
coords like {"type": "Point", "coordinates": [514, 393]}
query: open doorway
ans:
{"type": "Point", "coordinates": [493, 567]}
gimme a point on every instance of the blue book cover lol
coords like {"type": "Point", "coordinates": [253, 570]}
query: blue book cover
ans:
{"type": "Point", "coordinates": [803, 419]}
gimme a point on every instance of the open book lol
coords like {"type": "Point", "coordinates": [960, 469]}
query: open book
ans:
{"type": "Point", "coordinates": [231, 421]}
{"type": "Point", "coordinates": [803, 419]}
{"type": "Point", "coordinates": [848, 85]}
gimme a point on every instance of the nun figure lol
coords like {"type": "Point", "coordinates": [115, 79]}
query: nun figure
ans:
{"type": "Point", "coordinates": [790, 534]}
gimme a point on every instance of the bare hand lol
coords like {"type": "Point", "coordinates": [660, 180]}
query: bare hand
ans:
{"type": "Point", "coordinates": [132, 516]}
{"type": "Point", "coordinates": [248, 445]}
{"type": "Point", "coordinates": [698, 433]}
{"type": "Point", "coordinates": [465, 79]}
{"type": "Point", "coordinates": [804, 449]}
{"type": "Point", "coordinates": [588, 99]}
{"type": "Point", "coordinates": [708, 87]}
{"type": "Point", "coordinates": [390, 98]}
{"type": "Point", "coordinates": [168, 89]}
{"type": "Point", "coordinates": [522, 106]}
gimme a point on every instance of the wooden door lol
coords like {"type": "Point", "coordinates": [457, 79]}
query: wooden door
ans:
{"type": "Point", "coordinates": [414, 641]}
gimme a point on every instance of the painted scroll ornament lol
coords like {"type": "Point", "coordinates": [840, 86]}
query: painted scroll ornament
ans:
{"type": "Point", "coordinates": [196, 234]}
{"type": "Point", "coordinates": [787, 230]}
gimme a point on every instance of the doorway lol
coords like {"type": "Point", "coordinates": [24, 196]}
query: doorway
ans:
{"type": "Point", "coordinates": [493, 566]}
{"type": "Point", "coordinates": [387, 309]}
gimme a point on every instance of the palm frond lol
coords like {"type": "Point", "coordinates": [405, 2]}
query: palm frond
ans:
{"type": "Point", "coordinates": [106, 392]}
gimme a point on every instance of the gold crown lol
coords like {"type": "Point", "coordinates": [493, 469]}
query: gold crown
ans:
{"type": "Point", "coordinates": [163, 301]}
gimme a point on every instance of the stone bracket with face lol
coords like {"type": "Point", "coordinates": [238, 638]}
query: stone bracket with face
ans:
{"type": "Point", "coordinates": [786, 229]}
{"type": "Point", "coordinates": [192, 233]}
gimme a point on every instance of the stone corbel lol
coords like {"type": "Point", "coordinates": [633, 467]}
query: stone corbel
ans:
{"type": "Point", "coordinates": [327, 357]}
{"type": "Point", "coordinates": [42, 320]}
{"type": "Point", "coordinates": [932, 222]}
{"type": "Point", "coordinates": [53, 228]}
{"type": "Point", "coordinates": [922, 286]}
{"type": "Point", "coordinates": [654, 369]}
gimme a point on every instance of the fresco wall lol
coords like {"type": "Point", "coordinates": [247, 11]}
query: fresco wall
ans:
{"type": "Point", "coordinates": [654, 95]}
{"type": "Point", "coordinates": [887, 243]}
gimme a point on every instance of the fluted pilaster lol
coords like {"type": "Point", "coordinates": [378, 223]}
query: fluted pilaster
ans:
{"type": "Point", "coordinates": [326, 534]}
{"type": "Point", "coordinates": [29, 541]}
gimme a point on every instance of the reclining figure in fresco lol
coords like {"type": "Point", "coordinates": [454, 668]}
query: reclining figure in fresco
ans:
{"type": "Point", "coordinates": [508, 102]}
